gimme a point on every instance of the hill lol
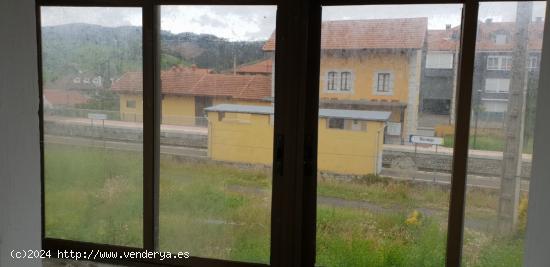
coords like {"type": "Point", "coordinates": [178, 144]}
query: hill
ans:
{"type": "Point", "coordinates": [111, 51]}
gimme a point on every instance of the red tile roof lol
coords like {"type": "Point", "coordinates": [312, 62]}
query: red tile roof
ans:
{"type": "Point", "coordinates": [262, 67]}
{"type": "Point", "coordinates": [184, 82]}
{"type": "Point", "coordinates": [403, 33]}
{"type": "Point", "coordinates": [442, 40]}
{"type": "Point", "coordinates": [486, 30]}
{"type": "Point", "coordinates": [64, 97]}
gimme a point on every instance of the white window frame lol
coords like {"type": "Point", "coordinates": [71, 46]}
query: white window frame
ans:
{"type": "Point", "coordinates": [331, 81]}
{"type": "Point", "coordinates": [532, 62]}
{"type": "Point", "coordinates": [390, 83]}
{"type": "Point", "coordinates": [497, 40]}
{"type": "Point", "coordinates": [501, 62]}
{"type": "Point", "coordinates": [496, 102]}
{"type": "Point", "coordinates": [439, 60]}
{"type": "Point", "coordinates": [348, 81]}
{"type": "Point", "coordinates": [498, 82]}
{"type": "Point", "coordinates": [337, 81]}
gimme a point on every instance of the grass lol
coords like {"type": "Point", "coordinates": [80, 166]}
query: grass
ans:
{"type": "Point", "coordinates": [488, 142]}
{"type": "Point", "coordinates": [223, 212]}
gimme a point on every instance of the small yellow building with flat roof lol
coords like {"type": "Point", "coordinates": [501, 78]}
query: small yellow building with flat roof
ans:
{"type": "Point", "coordinates": [350, 141]}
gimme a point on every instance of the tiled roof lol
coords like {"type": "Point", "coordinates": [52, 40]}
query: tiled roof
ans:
{"type": "Point", "coordinates": [325, 113]}
{"type": "Point", "coordinates": [486, 30]}
{"type": "Point", "coordinates": [185, 82]}
{"type": "Point", "coordinates": [403, 33]}
{"type": "Point", "coordinates": [63, 97]}
{"type": "Point", "coordinates": [442, 40]}
{"type": "Point", "coordinates": [262, 67]}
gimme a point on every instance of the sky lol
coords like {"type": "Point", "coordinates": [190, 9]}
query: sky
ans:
{"type": "Point", "coordinates": [258, 22]}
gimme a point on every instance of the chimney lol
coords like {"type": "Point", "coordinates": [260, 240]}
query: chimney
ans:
{"type": "Point", "coordinates": [447, 27]}
{"type": "Point", "coordinates": [488, 20]}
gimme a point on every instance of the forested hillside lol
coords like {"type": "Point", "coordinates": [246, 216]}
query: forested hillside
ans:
{"type": "Point", "coordinates": [109, 52]}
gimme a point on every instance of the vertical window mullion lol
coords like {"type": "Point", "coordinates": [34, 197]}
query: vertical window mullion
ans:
{"type": "Point", "coordinates": [462, 131]}
{"type": "Point", "coordinates": [151, 125]}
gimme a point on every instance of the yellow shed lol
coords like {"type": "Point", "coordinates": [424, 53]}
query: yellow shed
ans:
{"type": "Point", "coordinates": [350, 141]}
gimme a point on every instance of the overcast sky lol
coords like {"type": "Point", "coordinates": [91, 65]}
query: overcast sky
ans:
{"type": "Point", "coordinates": [258, 22]}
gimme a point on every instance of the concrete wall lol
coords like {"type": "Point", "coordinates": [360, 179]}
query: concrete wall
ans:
{"type": "Point", "coordinates": [439, 162]}
{"type": "Point", "coordinates": [19, 137]}
{"type": "Point", "coordinates": [124, 134]}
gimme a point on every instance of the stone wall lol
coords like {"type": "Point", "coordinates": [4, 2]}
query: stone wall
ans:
{"type": "Point", "coordinates": [124, 134]}
{"type": "Point", "coordinates": [439, 162]}
{"type": "Point", "coordinates": [391, 158]}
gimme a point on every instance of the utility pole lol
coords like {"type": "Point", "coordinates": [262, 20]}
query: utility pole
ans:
{"type": "Point", "coordinates": [513, 147]}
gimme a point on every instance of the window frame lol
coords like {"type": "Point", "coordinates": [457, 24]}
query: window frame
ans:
{"type": "Point", "coordinates": [131, 103]}
{"type": "Point", "coordinates": [532, 62]}
{"type": "Point", "coordinates": [340, 123]}
{"type": "Point", "coordinates": [295, 137]}
{"type": "Point", "coordinates": [348, 80]}
{"type": "Point", "coordinates": [334, 81]}
{"type": "Point", "coordinates": [504, 62]}
{"type": "Point", "coordinates": [331, 81]}
{"type": "Point", "coordinates": [389, 91]}
{"type": "Point", "coordinates": [498, 82]}
{"type": "Point", "coordinates": [439, 64]}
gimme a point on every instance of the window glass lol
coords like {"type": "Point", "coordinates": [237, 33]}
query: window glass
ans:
{"type": "Point", "coordinates": [92, 133]}
{"type": "Point", "coordinates": [345, 81]}
{"type": "Point", "coordinates": [501, 135]}
{"type": "Point", "coordinates": [497, 85]}
{"type": "Point", "coordinates": [439, 61]}
{"type": "Point", "coordinates": [384, 157]}
{"type": "Point", "coordinates": [331, 81]}
{"type": "Point", "coordinates": [217, 131]}
{"type": "Point", "coordinates": [383, 84]}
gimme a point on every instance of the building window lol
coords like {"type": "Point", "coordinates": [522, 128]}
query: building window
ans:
{"type": "Point", "coordinates": [532, 62]}
{"type": "Point", "coordinates": [501, 38]}
{"type": "Point", "coordinates": [499, 62]}
{"type": "Point", "coordinates": [336, 123]}
{"type": "Point", "coordinates": [345, 81]}
{"type": "Point", "coordinates": [495, 105]}
{"type": "Point", "coordinates": [339, 81]}
{"type": "Point", "coordinates": [356, 125]}
{"type": "Point", "coordinates": [383, 82]}
{"type": "Point", "coordinates": [497, 85]}
{"type": "Point", "coordinates": [439, 61]}
{"type": "Point", "coordinates": [130, 103]}
{"type": "Point", "coordinates": [331, 81]}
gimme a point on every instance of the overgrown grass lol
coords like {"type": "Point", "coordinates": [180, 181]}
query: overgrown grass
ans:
{"type": "Point", "coordinates": [488, 142]}
{"type": "Point", "coordinates": [223, 212]}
